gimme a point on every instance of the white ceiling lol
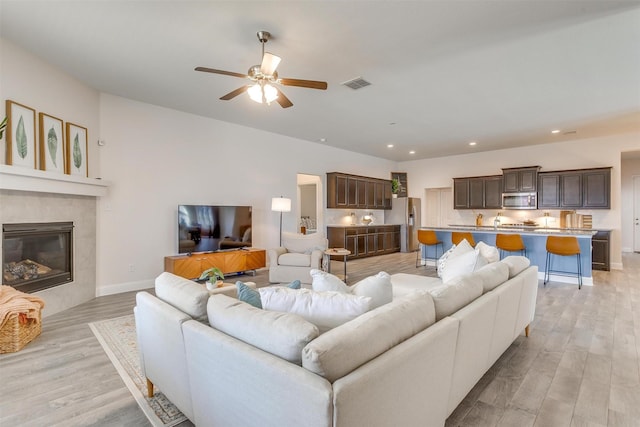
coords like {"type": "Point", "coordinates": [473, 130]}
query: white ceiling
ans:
{"type": "Point", "coordinates": [443, 73]}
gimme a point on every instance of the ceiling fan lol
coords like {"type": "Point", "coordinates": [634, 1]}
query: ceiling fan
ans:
{"type": "Point", "coordinates": [263, 76]}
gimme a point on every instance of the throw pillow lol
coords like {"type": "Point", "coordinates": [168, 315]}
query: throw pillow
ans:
{"type": "Point", "coordinates": [323, 281]}
{"type": "Point", "coordinates": [326, 310]}
{"type": "Point", "coordinates": [461, 248]}
{"type": "Point", "coordinates": [442, 261]}
{"type": "Point", "coordinates": [294, 285]}
{"type": "Point", "coordinates": [248, 295]}
{"type": "Point", "coordinates": [490, 253]}
{"type": "Point", "coordinates": [462, 264]}
{"type": "Point", "coordinates": [377, 287]}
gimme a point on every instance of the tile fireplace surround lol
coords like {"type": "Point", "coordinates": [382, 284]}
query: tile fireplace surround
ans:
{"type": "Point", "coordinates": [36, 196]}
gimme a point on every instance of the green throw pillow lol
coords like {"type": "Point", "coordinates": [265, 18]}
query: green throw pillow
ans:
{"type": "Point", "coordinates": [294, 285]}
{"type": "Point", "coordinates": [248, 295]}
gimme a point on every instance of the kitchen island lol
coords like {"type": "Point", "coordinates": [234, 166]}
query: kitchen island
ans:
{"type": "Point", "coordinates": [535, 240]}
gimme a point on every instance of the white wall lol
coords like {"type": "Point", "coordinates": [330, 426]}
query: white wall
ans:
{"type": "Point", "coordinates": [158, 158]}
{"type": "Point", "coordinates": [577, 154]}
{"type": "Point", "coordinates": [30, 81]}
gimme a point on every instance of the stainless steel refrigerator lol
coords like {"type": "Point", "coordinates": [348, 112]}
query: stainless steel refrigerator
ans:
{"type": "Point", "coordinates": [406, 212]}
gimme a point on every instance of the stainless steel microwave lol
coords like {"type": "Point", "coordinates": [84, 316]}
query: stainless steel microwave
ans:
{"type": "Point", "coordinates": [519, 201]}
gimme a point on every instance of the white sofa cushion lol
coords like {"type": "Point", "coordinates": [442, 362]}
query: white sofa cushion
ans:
{"type": "Point", "coordinates": [488, 252]}
{"type": "Point", "coordinates": [377, 287]}
{"type": "Point", "coordinates": [326, 310]}
{"type": "Point", "coordinates": [303, 243]}
{"type": "Point", "coordinates": [516, 264]}
{"type": "Point", "coordinates": [343, 349]}
{"type": "Point", "coordinates": [295, 259]}
{"type": "Point", "coordinates": [281, 334]}
{"type": "Point", "coordinates": [456, 294]}
{"type": "Point", "coordinates": [467, 262]}
{"type": "Point", "coordinates": [404, 283]}
{"type": "Point", "coordinates": [492, 275]}
{"type": "Point", "coordinates": [322, 281]}
{"type": "Point", "coordinates": [185, 295]}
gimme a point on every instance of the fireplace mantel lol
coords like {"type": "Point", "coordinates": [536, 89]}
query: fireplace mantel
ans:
{"type": "Point", "coordinates": [24, 179]}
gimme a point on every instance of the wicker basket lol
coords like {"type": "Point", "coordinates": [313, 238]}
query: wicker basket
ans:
{"type": "Point", "coordinates": [14, 335]}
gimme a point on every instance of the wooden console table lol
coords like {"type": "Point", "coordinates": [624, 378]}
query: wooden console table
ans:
{"type": "Point", "coordinates": [235, 261]}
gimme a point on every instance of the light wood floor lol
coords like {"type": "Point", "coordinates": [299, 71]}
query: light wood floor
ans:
{"type": "Point", "coordinates": [579, 367]}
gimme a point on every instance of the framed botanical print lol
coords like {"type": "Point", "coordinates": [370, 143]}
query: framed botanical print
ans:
{"type": "Point", "coordinates": [77, 150]}
{"type": "Point", "coordinates": [21, 135]}
{"type": "Point", "coordinates": [52, 143]}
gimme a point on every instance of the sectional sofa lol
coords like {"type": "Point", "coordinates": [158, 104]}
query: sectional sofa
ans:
{"type": "Point", "coordinates": [409, 362]}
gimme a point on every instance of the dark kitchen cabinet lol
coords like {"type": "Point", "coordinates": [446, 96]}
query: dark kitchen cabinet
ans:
{"type": "Point", "coordinates": [596, 188]}
{"type": "Point", "coordinates": [461, 193]}
{"type": "Point", "coordinates": [548, 190]}
{"type": "Point", "coordinates": [575, 189]}
{"type": "Point", "coordinates": [520, 180]}
{"type": "Point", "coordinates": [483, 192]}
{"type": "Point", "coordinates": [365, 241]}
{"type": "Point", "coordinates": [358, 192]}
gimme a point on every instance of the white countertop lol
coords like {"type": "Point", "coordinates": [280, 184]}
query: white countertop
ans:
{"type": "Point", "coordinates": [524, 229]}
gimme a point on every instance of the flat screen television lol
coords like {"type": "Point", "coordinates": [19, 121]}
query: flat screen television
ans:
{"type": "Point", "coordinates": [208, 228]}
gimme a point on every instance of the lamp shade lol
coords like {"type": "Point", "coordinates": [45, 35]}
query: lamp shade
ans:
{"type": "Point", "coordinates": [281, 204]}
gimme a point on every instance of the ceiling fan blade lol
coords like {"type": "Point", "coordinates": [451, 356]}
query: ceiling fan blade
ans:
{"type": "Point", "coordinates": [226, 73]}
{"type": "Point", "coordinates": [269, 63]}
{"type": "Point", "coordinates": [283, 100]}
{"type": "Point", "coordinates": [235, 93]}
{"type": "Point", "coordinates": [312, 84]}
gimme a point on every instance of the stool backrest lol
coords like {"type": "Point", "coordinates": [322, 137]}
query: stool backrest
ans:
{"type": "Point", "coordinates": [563, 245]}
{"type": "Point", "coordinates": [459, 236]}
{"type": "Point", "coordinates": [509, 242]}
{"type": "Point", "coordinates": [427, 237]}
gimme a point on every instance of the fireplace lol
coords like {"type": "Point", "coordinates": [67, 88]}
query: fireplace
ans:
{"type": "Point", "coordinates": [37, 256]}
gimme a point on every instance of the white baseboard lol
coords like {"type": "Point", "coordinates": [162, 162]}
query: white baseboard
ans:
{"type": "Point", "coordinates": [586, 281]}
{"type": "Point", "coordinates": [118, 288]}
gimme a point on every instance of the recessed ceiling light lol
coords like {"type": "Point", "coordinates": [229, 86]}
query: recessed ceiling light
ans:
{"type": "Point", "coordinates": [412, 152]}
{"type": "Point", "coordinates": [323, 139]}
{"type": "Point", "coordinates": [389, 145]}
{"type": "Point", "coordinates": [473, 143]}
{"type": "Point", "coordinates": [555, 131]}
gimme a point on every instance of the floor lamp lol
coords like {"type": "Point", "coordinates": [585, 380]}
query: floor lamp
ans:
{"type": "Point", "coordinates": [280, 204]}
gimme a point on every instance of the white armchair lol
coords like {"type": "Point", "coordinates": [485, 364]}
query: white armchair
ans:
{"type": "Point", "coordinates": [296, 257]}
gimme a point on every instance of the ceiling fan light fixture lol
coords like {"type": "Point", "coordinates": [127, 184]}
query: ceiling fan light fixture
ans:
{"type": "Point", "coordinates": [263, 93]}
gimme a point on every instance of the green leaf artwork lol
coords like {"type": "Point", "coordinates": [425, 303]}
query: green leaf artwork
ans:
{"type": "Point", "coordinates": [52, 143]}
{"type": "Point", "coordinates": [21, 139]}
{"type": "Point", "coordinates": [77, 154]}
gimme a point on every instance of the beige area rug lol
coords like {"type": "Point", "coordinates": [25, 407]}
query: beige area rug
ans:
{"type": "Point", "coordinates": [118, 339]}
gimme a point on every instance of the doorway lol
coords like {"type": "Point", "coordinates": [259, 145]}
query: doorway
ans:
{"type": "Point", "coordinates": [309, 211]}
{"type": "Point", "coordinates": [438, 208]}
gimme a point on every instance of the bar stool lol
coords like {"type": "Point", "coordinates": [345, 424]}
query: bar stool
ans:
{"type": "Point", "coordinates": [563, 246]}
{"type": "Point", "coordinates": [510, 243]}
{"type": "Point", "coordinates": [428, 238]}
{"type": "Point", "coordinates": [459, 236]}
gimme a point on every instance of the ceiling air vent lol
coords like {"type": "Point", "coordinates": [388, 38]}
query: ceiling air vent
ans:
{"type": "Point", "coordinates": [357, 83]}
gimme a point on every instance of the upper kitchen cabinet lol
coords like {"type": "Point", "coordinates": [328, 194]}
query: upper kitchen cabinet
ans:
{"type": "Point", "coordinates": [481, 192]}
{"type": "Point", "coordinates": [596, 188]}
{"type": "Point", "coordinates": [345, 191]}
{"type": "Point", "coordinates": [520, 180]}
{"type": "Point", "coordinates": [575, 189]}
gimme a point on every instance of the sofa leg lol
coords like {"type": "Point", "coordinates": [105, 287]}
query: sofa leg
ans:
{"type": "Point", "coordinates": [526, 331]}
{"type": "Point", "coordinates": [149, 388]}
